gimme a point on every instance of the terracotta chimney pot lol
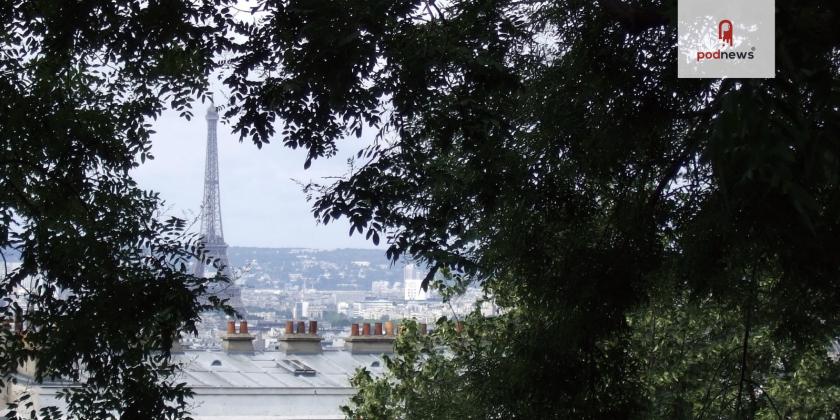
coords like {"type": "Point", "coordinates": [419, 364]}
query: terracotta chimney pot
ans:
{"type": "Point", "coordinates": [313, 327]}
{"type": "Point", "coordinates": [243, 327]}
{"type": "Point", "coordinates": [354, 330]}
{"type": "Point", "coordinates": [231, 327]}
{"type": "Point", "coordinates": [290, 327]}
{"type": "Point", "coordinates": [377, 328]}
{"type": "Point", "coordinates": [301, 327]}
{"type": "Point", "coordinates": [366, 328]}
{"type": "Point", "coordinates": [389, 328]}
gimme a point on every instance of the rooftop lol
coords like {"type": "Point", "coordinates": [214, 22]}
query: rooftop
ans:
{"type": "Point", "coordinates": [274, 370]}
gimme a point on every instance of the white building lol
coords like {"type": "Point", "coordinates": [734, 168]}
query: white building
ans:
{"type": "Point", "coordinates": [412, 282]}
{"type": "Point", "coordinates": [376, 309]}
{"type": "Point", "coordinates": [301, 310]}
{"type": "Point", "coordinates": [380, 287]}
{"type": "Point", "coordinates": [343, 308]}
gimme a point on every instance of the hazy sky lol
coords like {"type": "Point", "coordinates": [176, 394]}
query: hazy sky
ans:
{"type": "Point", "coordinates": [261, 204]}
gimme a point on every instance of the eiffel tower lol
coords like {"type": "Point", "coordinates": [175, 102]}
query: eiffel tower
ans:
{"type": "Point", "coordinates": [211, 220]}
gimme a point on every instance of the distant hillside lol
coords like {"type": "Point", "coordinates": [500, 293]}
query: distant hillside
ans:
{"type": "Point", "coordinates": [338, 269]}
{"type": "Point", "coordinates": [342, 269]}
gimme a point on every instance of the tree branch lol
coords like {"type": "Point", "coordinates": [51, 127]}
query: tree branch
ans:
{"type": "Point", "coordinates": [635, 19]}
{"type": "Point", "coordinates": [746, 340]}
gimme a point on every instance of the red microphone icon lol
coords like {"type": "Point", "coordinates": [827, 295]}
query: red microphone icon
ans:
{"type": "Point", "coordinates": [725, 31]}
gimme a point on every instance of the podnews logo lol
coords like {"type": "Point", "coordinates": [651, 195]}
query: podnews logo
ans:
{"type": "Point", "coordinates": [722, 39]}
{"type": "Point", "coordinates": [726, 31]}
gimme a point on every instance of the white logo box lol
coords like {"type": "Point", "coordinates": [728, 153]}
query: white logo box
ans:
{"type": "Point", "coordinates": [726, 38]}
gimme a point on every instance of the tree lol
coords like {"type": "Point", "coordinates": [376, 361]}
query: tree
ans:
{"type": "Point", "coordinates": [547, 152]}
{"type": "Point", "coordinates": [420, 382]}
{"type": "Point", "coordinates": [102, 288]}
{"type": "Point", "coordinates": [691, 350]}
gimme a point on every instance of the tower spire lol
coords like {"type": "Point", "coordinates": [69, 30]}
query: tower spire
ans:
{"type": "Point", "coordinates": [212, 235]}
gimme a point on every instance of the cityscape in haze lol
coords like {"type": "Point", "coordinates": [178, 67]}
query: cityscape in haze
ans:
{"type": "Point", "coordinates": [338, 287]}
{"type": "Point", "coordinates": [334, 287]}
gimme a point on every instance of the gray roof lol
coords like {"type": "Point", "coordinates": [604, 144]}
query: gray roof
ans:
{"type": "Point", "coordinates": [257, 386]}
{"type": "Point", "coordinates": [273, 370]}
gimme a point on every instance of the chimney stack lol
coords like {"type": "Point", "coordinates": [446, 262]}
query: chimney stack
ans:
{"type": "Point", "coordinates": [298, 341]}
{"type": "Point", "coordinates": [367, 343]}
{"type": "Point", "coordinates": [238, 342]}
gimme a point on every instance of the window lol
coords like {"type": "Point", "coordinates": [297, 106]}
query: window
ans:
{"type": "Point", "coordinates": [297, 367]}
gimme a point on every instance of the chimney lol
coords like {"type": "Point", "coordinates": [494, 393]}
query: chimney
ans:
{"type": "Point", "coordinates": [368, 343]}
{"type": "Point", "coordinates": [298, 341]}
{"type": "Point", "coordinates": [238, 342]}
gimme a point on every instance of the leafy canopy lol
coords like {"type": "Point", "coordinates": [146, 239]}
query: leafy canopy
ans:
{"type": "Point", "coordinates": [102, 286]}
{"type": "Point", "coordinates": [547, 151]}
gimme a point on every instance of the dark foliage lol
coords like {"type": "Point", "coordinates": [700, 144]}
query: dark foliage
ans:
{"type": "Point", "coordinates": [547, 151]}
{"type": "Point", "coordinates": [102, 286]}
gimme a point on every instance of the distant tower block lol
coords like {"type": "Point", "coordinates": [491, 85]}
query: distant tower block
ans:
{"type": "Point", "coordinates": [211, 219]}
{"type": "Point", "coordinates": [412, 283]}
